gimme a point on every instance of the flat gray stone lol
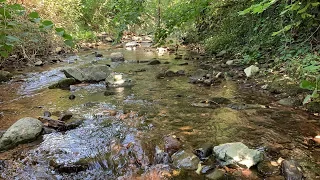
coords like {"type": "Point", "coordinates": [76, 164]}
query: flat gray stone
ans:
{"type": "Point", "coordinates": [89, 73]}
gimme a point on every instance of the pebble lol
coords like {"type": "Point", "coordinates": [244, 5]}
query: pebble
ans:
{"type": "Point", "coordinates": [46, 114]}
{"type": "Point", "coordinates": [72, 97]}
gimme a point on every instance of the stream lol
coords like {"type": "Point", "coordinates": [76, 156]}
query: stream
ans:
{"type": "Point", "coordinates": [120, 131]}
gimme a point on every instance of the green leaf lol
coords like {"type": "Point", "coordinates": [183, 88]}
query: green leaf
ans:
{"type": "Point", "coordinates": [8, 47]}
{"type": "Point", "coordinates": [4, 54]}
{"type": "Point", "coordinates": [285, 29]}
{"type": "Point", "coordinates": [34, 15]}
{"type": "Point", "coordinates": [16, 7]}
{"type": "Point", "coordinates": [1, 1]}
{"type": "Point", "coordinates": [304, 9]}
{"type": "Point", "coordinates": [307, 99]}
{"type": "Point", "coordinates": [60, 31]}
{"type": "Point", "coordinates": [4, 13]}
{"type": "Point", "coordinates": [12, 23]}
{"type": "Point", "coordinates": [307, 85]}
{"type": "Point", "coordinates": [35, 40]}
{"type": "Point", "coordinates": [47, 23]}
{"type": "Point", "coordinates": [69, 43]}
{"type": "Point", "coordinates": [67, 36]}
{"type": "Point", "coordinates": [12, 38]}
{"type": "Point", "coordinates": [312, 68]}
{"type": "Point", "coordinates": [315, 94]}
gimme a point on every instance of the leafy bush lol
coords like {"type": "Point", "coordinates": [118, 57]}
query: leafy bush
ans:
{"type": "Point", "coordinates": [22, 32]}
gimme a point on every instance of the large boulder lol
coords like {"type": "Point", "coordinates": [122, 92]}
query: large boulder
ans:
{"type": "Point", "coordinates": [88, 74]}
{"type": "Point", "coordinates": [237, 153]}
{"type": "Point", "coordinates": [185, 160]}
{"type": "Point", "coordinates": [116, 57]}
{"type": "Point", "coordinates": [24, 130]}
{"type": "Point", "coordinates": [5, 76]}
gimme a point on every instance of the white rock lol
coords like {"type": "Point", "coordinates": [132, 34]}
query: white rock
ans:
{"type": "Point", "coordinates": [264, 87]}
{"type": "Point", "coordinates": [237, 153]}
{"type": "Point", "coordinates": [230, 62]}
{"type": "Point", "coordinates": [132, 44]}
{"type": "Point", "coordinates": [58, 49]}
{"type": "Point", "coordinates": [251, 70]}
{"type": "Point", "coordinates": [137, 38]}
{"type": "Point", "coordinates": [38, 63]}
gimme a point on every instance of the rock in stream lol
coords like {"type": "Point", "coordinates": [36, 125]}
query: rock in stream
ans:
{"type": "Point", "coordinates": [88, 73]}
{"type": "Point", "coordinates": [237, 153]}
{"type": "Point", "coordinates": [24, 130]}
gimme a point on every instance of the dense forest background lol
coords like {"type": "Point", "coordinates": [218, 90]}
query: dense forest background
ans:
{"type": "Point", "coordinates": [282, 32]}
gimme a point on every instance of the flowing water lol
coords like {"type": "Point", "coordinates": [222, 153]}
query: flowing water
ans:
{"type": "Point", "coordinates": [120, 131]}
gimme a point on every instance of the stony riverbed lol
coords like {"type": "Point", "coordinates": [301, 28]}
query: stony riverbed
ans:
{"type": "Point", "coordinates": [124, 128]}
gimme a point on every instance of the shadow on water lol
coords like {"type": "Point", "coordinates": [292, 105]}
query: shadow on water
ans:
{"type": "Point", "coordinates": [120, 130]}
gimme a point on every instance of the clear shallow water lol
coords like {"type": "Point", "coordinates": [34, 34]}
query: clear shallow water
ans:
{"type": "Point", "coordinates": [122, 144]}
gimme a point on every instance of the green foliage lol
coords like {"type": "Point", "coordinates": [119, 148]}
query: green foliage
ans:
{"type": "Point", "coordinates": [313, 86]}
{"type": "Point", "coordinates": [11, 23]}
{"type": "Point", "coordinates": [299, 10]}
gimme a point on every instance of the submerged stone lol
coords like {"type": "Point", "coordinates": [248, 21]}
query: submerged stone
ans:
{"type": "Point", "coordinates": [204, 152]}
{"type": "Point", "coordinates": [185, 160]}
{"type": "Point", "coordinates": [154, 62]}
{"type": "Point", "coordinates": [217, 174]}
{"type": "Point", "coordinates": [266, 169]}
{"type": "Point", "coordinates": [63, 84]}
{"type": "Point", "coordinates": [117, 56]}
{"type": "Point", "coordinates": [291, 170]}
{"type": "Point", "coordinates": [24, 130]}
{"type": "Point", "coordinates": [171, 144]}
{"type": "Point", "coordinates": [5, 76]}
{"type": "Point", "coordinates": [238, 154]}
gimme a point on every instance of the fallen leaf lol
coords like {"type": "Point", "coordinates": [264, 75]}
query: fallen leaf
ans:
{"type": "Point", "coordinates": [273, 163]}
{"type": "Point", "coordinates": [279, 161]}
